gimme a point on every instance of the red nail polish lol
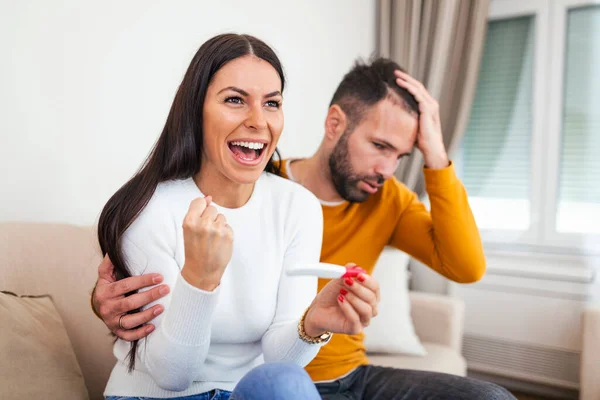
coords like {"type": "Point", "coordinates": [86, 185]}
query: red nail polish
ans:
{"type": "Point", "coordinates": [343, 292]}
{"type": "Point", "coordinates": [341, 298]}
{"type": "Point", "coordinates": [350, 274]}
{"type": "Point", "coordinates": [361, 278]}
{"type": "Point", "coordinates": [349, 281]}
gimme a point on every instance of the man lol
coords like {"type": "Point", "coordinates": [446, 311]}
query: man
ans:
{"type": "Point", "coordinates": [378, 114]}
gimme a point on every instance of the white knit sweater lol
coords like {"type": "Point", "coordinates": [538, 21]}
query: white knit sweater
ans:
{"type": "Point", "coordinates": [207, 340]}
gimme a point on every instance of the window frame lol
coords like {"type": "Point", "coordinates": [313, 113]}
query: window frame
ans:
{"type": "Point", "coordinates": [506, 9]}
{"type": "Point", "coordinates": [589, 243]}
{"type": "Point", "coordinates": [550, 25]}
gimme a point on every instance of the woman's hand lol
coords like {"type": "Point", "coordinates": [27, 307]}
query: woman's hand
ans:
{"type": "Point", "coordinates": [345, 305]}
{"type": "Point", "coordinates": [208, 242]}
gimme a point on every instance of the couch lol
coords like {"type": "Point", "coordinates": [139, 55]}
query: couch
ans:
{"type": "Point", "coordinates": [61, 260]}
{"type": "Point", "coordinates": [590, 355]}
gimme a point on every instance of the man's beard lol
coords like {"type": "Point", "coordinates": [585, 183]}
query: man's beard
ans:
{"type": "Point", "coordinates": [344, 178]}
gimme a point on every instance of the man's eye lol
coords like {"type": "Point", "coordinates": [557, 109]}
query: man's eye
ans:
{"type": "Point", "coordinates": [378, 146]}
{"type": "Point", "coordinates": [234, 100]}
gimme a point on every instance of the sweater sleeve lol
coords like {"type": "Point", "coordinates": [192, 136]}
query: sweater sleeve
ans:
{"type": "Point", "coordinates": [304, 232]}
{"type": "Point", "coordinates": [176, 350]}
{"type": "Point", "coordinates": [447, 239]}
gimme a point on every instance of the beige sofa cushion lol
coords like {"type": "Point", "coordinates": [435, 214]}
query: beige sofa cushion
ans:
{"type": "Point", "coordinates": [37, 359]}
{"type": "Point", "coordinates": [62, 261]}
{"type": "Point", "coordinates": [439, 358]}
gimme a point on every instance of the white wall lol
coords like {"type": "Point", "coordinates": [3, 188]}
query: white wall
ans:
{"type": "Point", "coordinates": [85, 87]}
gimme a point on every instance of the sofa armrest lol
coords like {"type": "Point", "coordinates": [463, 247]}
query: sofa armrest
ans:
{"type": "Point", "coordinates": [438, 319]}
{"type": "Point", "coordinates": [590, 354]}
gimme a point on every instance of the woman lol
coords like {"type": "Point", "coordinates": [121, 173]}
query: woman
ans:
{"type": "Point", "coordinates": [207, 212]}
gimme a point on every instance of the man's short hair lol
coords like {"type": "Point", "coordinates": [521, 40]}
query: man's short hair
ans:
{"type": "Point", "coordinates": [367, 84]}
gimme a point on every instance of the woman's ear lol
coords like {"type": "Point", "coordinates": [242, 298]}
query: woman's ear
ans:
{"type": "Point", "coordinates": [335, 123]}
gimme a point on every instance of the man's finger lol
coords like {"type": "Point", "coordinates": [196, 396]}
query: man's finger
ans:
{"type": "Point", "coordinates": [130, 321]}
{"type": "Point", "coordinates": [410, 79]}
{"type": "Point", "coordinates": [132, 283]}
{"type": "Point", "coordinates": [418, 95]}
{"type": "Point", "coordinates": [417, 85]}
{"type": "Point", "coordinates": [138, 300]}
{"type": "Point", "coordinates": [106, 270]}
{"type": "Point", "coordinates": [134, 334]}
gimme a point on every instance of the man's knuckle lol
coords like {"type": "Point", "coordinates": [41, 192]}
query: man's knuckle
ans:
{"type": "Point", "coordinates": [126, 286]}
{"type": "Point", "coordinates": [128, 304]}
{"type": "Point", "coordinates": [103, 310]}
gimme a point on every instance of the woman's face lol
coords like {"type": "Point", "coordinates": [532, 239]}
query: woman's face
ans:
{"type": "Point", "coordinates": [243, 119]}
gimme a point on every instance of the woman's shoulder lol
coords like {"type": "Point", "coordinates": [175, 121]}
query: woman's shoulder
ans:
{"type": "Point", "coordinates": [158, 214]}
{"type": "Point", "coordinates": [289, 193]}
{"type": "Point", "coordinates": [287, 188]}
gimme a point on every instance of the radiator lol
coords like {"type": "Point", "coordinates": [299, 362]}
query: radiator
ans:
{"type": "Point", "coordinates": [525, 362]}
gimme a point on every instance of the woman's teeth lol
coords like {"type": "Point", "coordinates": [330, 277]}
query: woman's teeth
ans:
{"type": "Point", "coordinates": [250, 145]}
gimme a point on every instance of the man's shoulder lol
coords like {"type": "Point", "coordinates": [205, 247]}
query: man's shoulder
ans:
{"type": "Point", "coordinates": [282, 165]}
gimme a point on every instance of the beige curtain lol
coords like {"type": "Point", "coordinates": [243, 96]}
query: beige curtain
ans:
{"type": "Point", "coordinates": [440, 43]}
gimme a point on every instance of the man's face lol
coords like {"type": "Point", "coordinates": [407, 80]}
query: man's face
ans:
{"type": "Point", "coordinates": [367, 156]}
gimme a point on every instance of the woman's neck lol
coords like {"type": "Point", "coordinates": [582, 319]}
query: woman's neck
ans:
{"type": "Point", "coordinates": [224, 192]}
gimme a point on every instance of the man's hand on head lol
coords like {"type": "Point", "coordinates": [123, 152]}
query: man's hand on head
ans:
{"type": "Point", "coordinates": [111, 304]}
{"type": "Point", "coordinates": [429, 139]}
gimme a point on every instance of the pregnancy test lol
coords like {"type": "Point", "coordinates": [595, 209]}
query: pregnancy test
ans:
{"type": "Point", "coordinates": [323, 270]}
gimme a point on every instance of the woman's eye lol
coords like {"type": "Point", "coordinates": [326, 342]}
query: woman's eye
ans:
{"type": "Point", "coordinates": [378, 146]}
{"type": "Point", "coordinates": [273, 103]}
{"type": "Point", "coordinates": [234, 100]}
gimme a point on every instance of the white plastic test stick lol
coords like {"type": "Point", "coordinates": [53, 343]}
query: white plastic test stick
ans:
{"type": "Point", "coordinates": [322, 270]}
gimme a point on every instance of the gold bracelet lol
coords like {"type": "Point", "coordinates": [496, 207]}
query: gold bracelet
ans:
{"type": "Point", "coordinates": [309, 339]}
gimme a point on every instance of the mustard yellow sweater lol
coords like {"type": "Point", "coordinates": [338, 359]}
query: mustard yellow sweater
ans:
{"type": "Point", "coordinates": [446, 239]}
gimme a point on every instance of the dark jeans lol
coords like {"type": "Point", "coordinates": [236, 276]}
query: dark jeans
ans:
{"type": "Point", "coordinates": [369, 382]}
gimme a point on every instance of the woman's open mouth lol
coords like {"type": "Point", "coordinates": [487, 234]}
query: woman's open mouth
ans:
{"type": "Point", "coordinates": [247, 152]}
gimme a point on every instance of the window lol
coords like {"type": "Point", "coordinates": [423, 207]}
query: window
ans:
{"type": "Point", "coordinates": [497, 144]}
{"type": "Point", "coordinates": [579, 184]}
{"type": "Point", "coordinates": [530, 158]}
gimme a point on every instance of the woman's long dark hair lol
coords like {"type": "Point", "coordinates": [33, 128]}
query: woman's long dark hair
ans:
{"type": "Point", "coordinates": [177, 153]}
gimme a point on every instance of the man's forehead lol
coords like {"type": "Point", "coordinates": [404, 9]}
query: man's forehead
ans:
{"type": "Point", "coordinates": [390, 122]}
{"type": "Point", "coordinates": [390, 112]}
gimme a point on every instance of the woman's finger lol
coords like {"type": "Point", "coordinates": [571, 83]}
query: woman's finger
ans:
{"type": "Point", "coordinates": [371, 283]}
{"type": "Point", "coordinates": [210, 214]}
{"type": "Point", "coordinates": [362, 308]}
{"type": "Point", "coordinates": [352, 325]}
{"type": "Point", "coordinates": [220, 219]}
{"type": "Point", "coordinates": [197, 206]}
{"type": "Point", "coordinates": [361, 291]}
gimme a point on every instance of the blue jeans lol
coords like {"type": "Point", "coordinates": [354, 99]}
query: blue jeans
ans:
{"type": "Point", "coordinates": [273, 381]}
